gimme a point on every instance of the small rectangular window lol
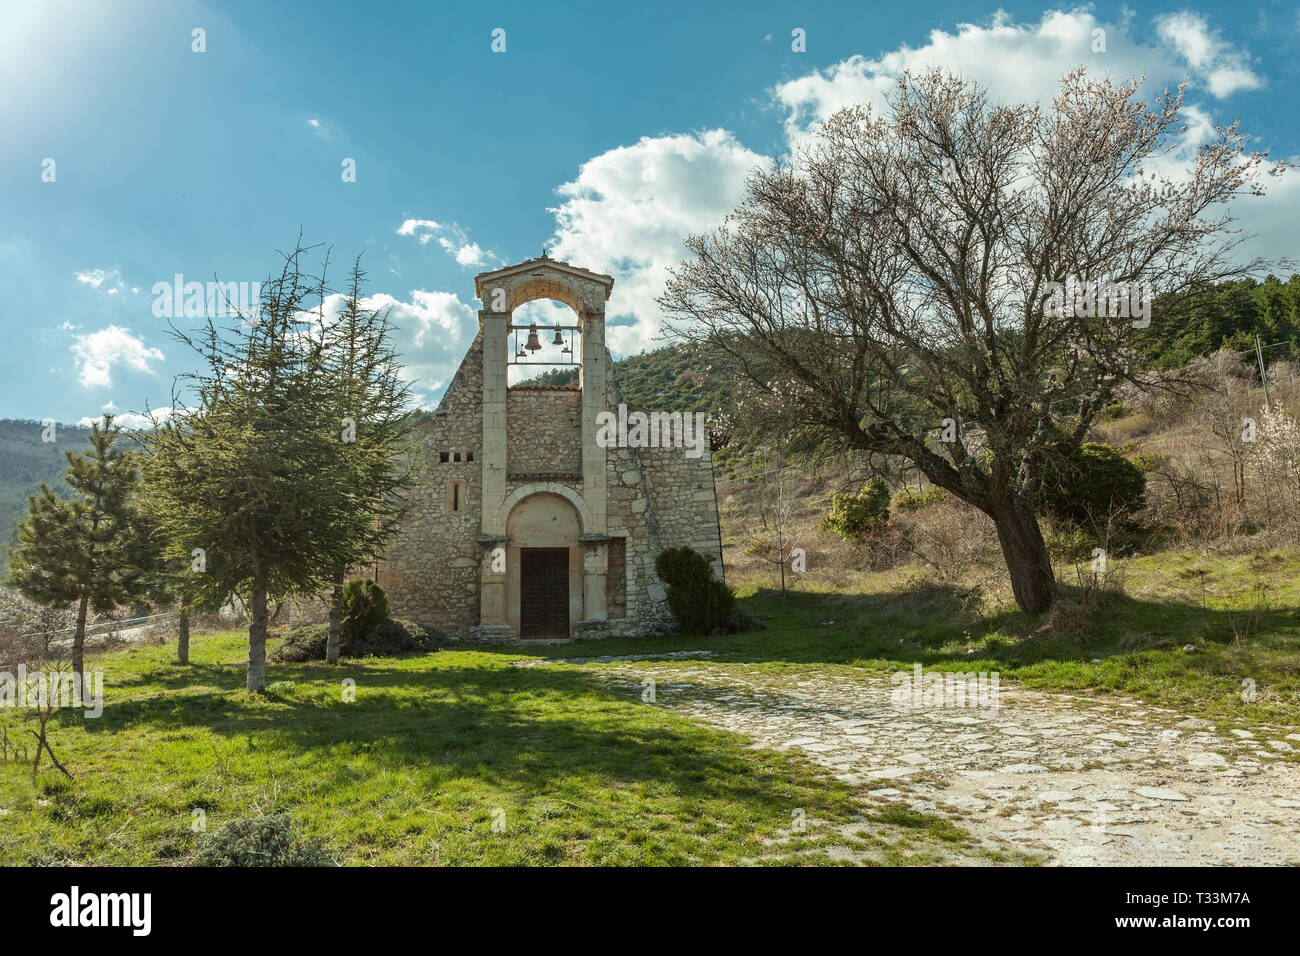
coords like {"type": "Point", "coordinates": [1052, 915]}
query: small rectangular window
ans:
{"type": "Point", "coordinates": [469, 456]}
{"type": "Point", "coordinates": [444, 457]}
{"type": "Point", "coordinates": [456, 457]}
{"type": "Point", "coordinates": [455, 496]}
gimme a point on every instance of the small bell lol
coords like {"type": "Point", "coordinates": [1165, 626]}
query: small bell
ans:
{"type": "Point", "coordinates": [533, 344]}
{"type": "Point", "coordinates": [559, 339]}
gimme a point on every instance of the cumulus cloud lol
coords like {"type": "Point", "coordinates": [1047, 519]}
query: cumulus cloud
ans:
{"type": "Point", "coordinates": [1223, 68]}
{"type": "Point", "coordinates": [131, 421]}
{"type": "Point", "coordinates": [451, 238]}
{"type": "Point", "coordinates": [422, 229]}
{"type": "Point", "coordinates": [433, 330]}
{"type": "Point", "coordinates": [98, 352]}
{"type": "Point", "coordinates": [1024, 62]}
{"type": "Point", "coordinates": [629, 210]}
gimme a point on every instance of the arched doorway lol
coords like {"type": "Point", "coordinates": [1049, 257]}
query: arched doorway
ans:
{"type": "Point", "coordinates": [543, 567]}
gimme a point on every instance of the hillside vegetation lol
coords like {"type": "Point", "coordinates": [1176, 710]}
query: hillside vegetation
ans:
{"type": "Point", "coordinates": [25, 462]}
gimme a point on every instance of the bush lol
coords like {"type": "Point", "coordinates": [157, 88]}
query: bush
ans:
{"type": "Point", "coordinates": [682, 567]}
{"type": "Point", "coordinates": [741, 620]}
{"type": "Point", "coordinates": [853, 517]}
{"type": "Point", "coordinates": [700, 603]}
{"type": "Point", "coordinates": [364, 608]}
{"type": "Point", "coordinates": [1092, 485]}
{"type": "Point", "coordinates": [395, 636]}
{"type": "Point", "coordinates": [260, 841]}
{"type": "Point", "coordinates": [306, 643]}
{"type": "Point", "coordinates": [907, 500]}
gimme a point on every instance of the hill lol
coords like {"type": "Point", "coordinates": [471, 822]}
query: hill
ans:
{"type": "Point", "coordinates": [25, 462]}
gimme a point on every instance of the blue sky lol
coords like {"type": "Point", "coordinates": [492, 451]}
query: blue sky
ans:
{"type": "Point", "coordinates": [605, 132]}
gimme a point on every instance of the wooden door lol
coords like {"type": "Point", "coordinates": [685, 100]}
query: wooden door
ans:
{"type": "Point", "coordinates": [544, 592]}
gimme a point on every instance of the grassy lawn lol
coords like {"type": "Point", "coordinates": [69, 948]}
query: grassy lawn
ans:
{"type": "Point", "coordinates": [414, 770]}
{"type": "Point", "coordinates": [1172, 600]}
{"type": "Point", "coordinates": [436, 747]}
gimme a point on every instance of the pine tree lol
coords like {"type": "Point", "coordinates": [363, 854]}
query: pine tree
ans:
{"type": "Point", "coordinates": [245, 483]}
{"type": "Point", "coordinates": [83, 550]}
{"type": "Point", "coordinates": [166, 580]}
{"type": "Point", "coordinates": [370, 401]}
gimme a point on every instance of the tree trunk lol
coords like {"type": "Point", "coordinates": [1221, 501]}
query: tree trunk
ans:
{"type": "Point", "coordinates": [336, 608]}
{"type": "Point", "coordinates": [79, 642]}
{"type": "Point", "coordinates": [1032, 581]}
{"type": "Point", "coordinates": [183, 635]}
{"type": "Point", "coordinates": [257, 640]}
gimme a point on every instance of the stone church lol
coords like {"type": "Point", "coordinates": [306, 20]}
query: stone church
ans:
{"type": "Point", "coordinates": [527, 522]}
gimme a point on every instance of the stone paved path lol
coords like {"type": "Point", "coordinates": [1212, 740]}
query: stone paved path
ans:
{"type": "Point", "coordinates": [1084, 782]}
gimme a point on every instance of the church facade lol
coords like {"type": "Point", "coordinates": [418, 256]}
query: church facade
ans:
{"type": "Point", "coordinates": [537, 513]}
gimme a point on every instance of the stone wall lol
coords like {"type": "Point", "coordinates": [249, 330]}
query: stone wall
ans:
{"type": "Point", "coordinates": [660, 499]}
{"type": "Point", "coordinates": [431, 567]}
{"type": "Point", "coordinates": [684, 501]}
{"type": "Point", "coordinates": [656, 498]}
{"type": "Point", "coordinates": [544, 430]}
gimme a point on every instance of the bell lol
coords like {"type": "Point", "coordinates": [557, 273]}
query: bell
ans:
{"type": "Point", "coordinates": [559, 339]}
{"type": "Point", "coordinates": [532, 344]}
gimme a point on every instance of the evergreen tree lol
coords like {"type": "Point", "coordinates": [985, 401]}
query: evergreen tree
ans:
{"type": "Point", "coordinates": [245, 482]}
{"type": "Point", "coordinates": [84, 550]}
{"type": "Point", "coordinates": [370, 400]}
{"type": "Point", "coordinates": [166, 581]}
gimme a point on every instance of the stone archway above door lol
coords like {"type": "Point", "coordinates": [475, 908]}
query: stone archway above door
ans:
{"type": "Point", "coordinates": [545, 488]}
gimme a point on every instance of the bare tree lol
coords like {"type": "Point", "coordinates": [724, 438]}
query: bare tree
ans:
{"type": "Point", "coordinates": [770, 520]}
{"type": "Point", "coordinates": [899, 278]}
{"type": "Point", "coordinates": [1224, 412]}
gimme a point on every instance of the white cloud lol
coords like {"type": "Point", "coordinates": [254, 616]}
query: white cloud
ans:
{"type": "Point", "coordinates": [433, 331]}
{"type": "Point", "coordinates": [1223, 69]}
{"type": "Point", "coordinates": [451, 238]}
{"type": "Point", "coordinates": [423, 229]}
{"type": "Point", "coordinates": [109, 406]}
{"type": "Point", "coordinates": [467, 255]}
{"type": "Point", "coordinates": [1024, 62]}
{"type": "Point", "coordinates": [131, 421]}
{"type": "Point", "coordinates": [323, 129]}
{"type": "Point", "coordinates": [629, 210]}
{"type": "Point", "coordinates": [98, 352]}
{"type": "Point", "coordinates": [109, 279]}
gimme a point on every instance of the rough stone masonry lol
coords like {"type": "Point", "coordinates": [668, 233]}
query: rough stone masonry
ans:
{"type": "Point", "coordinates": [523, 524]}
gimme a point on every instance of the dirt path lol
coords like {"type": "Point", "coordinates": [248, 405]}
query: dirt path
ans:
{"type": "Point", "coordinates": [1085, 782]}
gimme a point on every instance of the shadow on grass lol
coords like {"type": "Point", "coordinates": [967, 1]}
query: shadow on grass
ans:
{"type": "Point", "coordinates": [518, 728]}
{"type": "Point", "coordinates": [935, 623]}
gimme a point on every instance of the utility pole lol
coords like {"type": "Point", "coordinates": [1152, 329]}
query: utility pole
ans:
{"type": "Point", "coordinates": [1263, 372]}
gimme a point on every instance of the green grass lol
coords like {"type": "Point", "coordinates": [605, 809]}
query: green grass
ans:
{"type": "Point", "coordinates": [413, 771]}
{"type": "Point", "coordinates": [1173, 599]}
{"type": "Point", "coordinates": [416, 769]}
